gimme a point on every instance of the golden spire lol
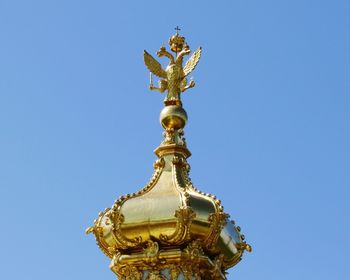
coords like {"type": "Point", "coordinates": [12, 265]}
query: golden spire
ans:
{"type": "Point", "coordinates": [170, 229]}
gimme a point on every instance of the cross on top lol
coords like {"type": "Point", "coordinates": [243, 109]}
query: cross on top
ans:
{"type": "Point", "coordinates": [177, 28]}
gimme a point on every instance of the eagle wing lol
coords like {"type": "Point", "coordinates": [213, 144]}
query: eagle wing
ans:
{"type": "Point", "coordinates": [192, 62]}
{"type": "Point", "coordinates": [153, 65]}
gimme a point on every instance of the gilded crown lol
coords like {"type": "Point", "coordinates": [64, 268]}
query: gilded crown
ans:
{"type": "Point", "coordinates": [176, 42]}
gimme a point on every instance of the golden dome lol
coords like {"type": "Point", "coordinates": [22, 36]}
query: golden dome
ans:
{"type": "Point", "coordinates": [169, 228]}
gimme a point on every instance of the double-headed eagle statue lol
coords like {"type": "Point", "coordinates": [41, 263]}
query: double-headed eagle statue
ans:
{"type": "Point", "coordinates": [173, 78]}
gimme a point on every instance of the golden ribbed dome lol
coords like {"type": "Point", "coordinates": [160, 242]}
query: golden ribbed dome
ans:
{"type": "Point", "coordinates": [170, 229]}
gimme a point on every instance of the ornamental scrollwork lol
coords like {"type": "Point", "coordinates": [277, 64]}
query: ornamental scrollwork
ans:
{"type": "Point", "coordinates": [194, 250]}
{"type": "Point", "coordinates": [185, 216]}
{"type": "Point", "coordinates": [118, 219]}
{"type": "Point", "coordinates": [155, 275]}
{"type": "Point", "coordinates": [131, 273]}
{"type": "Point", "coordinates": [159, 163]}
{"type": "Point", "coordinates": [217, 222]}
{"type": "Point", "coordinates": [151, 253]}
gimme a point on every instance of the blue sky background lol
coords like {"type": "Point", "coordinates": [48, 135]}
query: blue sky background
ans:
{"type": "Point", "coordinates": [268, 127]}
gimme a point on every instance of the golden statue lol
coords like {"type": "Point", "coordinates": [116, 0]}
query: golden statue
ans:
{"type": "Point", "coordinates": [174, 76]}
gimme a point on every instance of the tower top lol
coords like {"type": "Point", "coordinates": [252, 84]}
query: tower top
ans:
{"type": "Point", "coordinates": [169, 229]}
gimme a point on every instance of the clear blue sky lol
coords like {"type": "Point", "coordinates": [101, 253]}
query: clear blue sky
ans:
{"type": "Point", "coordinates": [268, 127]}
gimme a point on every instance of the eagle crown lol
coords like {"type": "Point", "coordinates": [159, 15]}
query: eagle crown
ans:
{"type": "Point", "coordinates": [173, 78]}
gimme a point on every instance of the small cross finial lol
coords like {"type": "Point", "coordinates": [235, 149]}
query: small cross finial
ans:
{"type": "Point", "coordinates": [177, 28]}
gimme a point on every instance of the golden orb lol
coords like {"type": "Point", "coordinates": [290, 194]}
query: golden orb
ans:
{"type": "Point", "coordinates": [173, 116]}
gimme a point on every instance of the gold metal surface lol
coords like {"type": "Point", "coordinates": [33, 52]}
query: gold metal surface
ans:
{"type": "Point", "coordinates": [174, 76]}
{"type": "Point", "coordinates": [170, 229]}
{"type": "Point", "coordinates": [173, 116]}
